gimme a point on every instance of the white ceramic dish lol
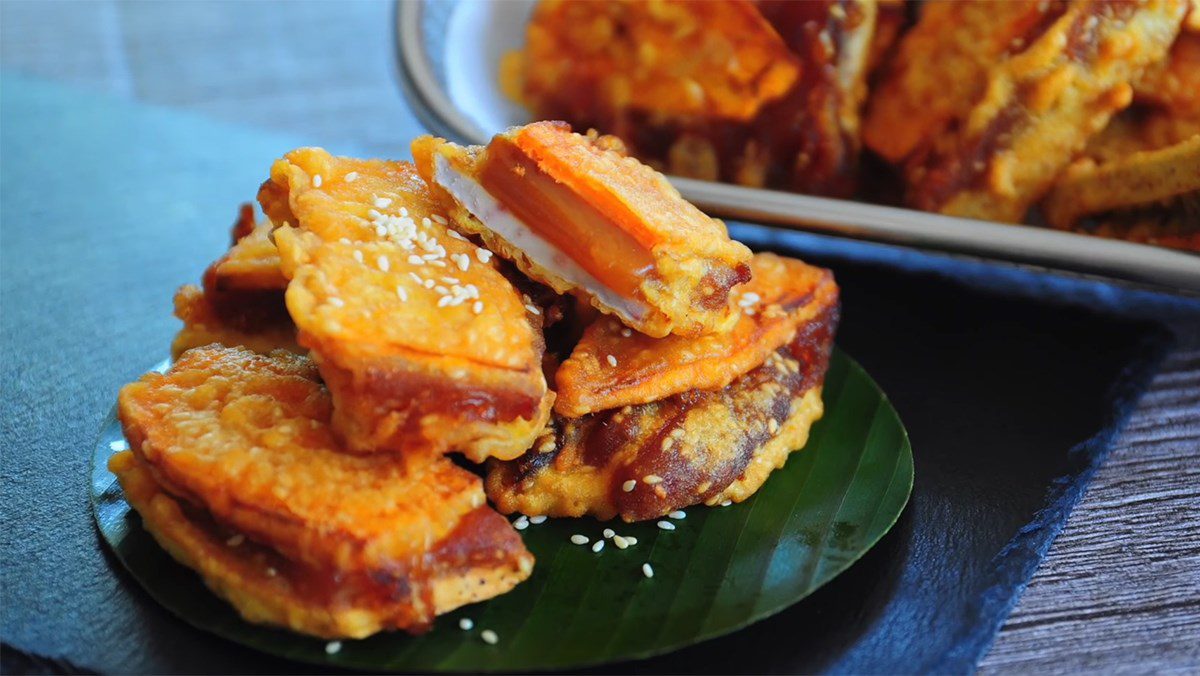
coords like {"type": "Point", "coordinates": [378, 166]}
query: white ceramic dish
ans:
{"type": "Point", "coordinates": [449, 53]}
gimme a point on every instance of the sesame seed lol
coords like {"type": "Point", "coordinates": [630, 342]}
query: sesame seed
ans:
{"type": "Point", "coordinates": [608, 532]}
{"type": "Point", "coordinates": [451, 280]}
{"type": "Point", "coordinates": [612, 361]}
{"type": "Point", "coordinates": [466, 624]}
{"type": "Point", "coordinates": [631, 540]}
{"type": "Point", "coordinates": [773, 425]}
{"type": "Point", "coordinates": [521, 523]}
{"type": "Point", "coordinates": [414, 259]}
{"type": "Point", "coordinates": [316, 180]}
{"type": "Point", "coordinates": [351, 177]}
{"type": "Point", "coordinates": [727, 503]}
{"type": "Point", "coordinates": [578, 539]}
{"type": "Point", "coordinates": [383, 263]}
{"type": "Point", "coordinates": [337, 302]}
{"type": "Point", "coordinates": [345, 240]}
{"type": "Point", "coordinates": [541, 518]}
{"type": "Point", "coordinates": [358, 255]}
{"type": "Point", "coordinates": [333, 647]}
{"type": "Point", "coordinates": [403, 211]}
{"type": "Point", "coordinates": [620, 542]}
{"type": "Point", "coordinates": [532, 309]}
{"type": "Point", "coordinates": [440, 264]}
{"type": "Point", "coordinates": [415, 277]}
{"type": "Point", "coordinates": [428, 284]}
{"type": "Point", "coordinates": [442, 290]}
{"type": "Point", "coordinates": [118, 445]}
{"type": "Point", "coordinates": [652, 479]}
{"type": "Point", "coordinates": [402, 293]}
{"type": "Point", "coordinates": [667, 443]}
{"type": "Point", "coordinates": [489, 637]}
{"type": "Point", "coordinates": [628, 486]}
{"type": "Point", "coordinates": [598, 546]}
{"type": "Point", "coordinates": [647, 570]}
{"type": "Point", "coordinates": [477, 308]}
{"type": "Point", "coordinates": [666, 525]}
{"type": "Point", "coordinates": [678, 514]}
{"type": "Point", "coordinates": [440, 219]}
{"type": "Point", "coordinates": [626, 332]}
{"type": "Point", "coordinates": [483, 255]}
{"type": "Point", "coordinates": [453, 234]}
{"type": "Point", "coordinates": [235, 540]}
{"type": "Point", "coordinates": [463, 262]}
{"type": "Point", "coordinates": [272, 572]}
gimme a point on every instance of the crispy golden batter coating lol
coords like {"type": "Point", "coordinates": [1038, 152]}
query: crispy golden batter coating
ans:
{"type": "Point", "coordinates": [576, 215]}
{"type": "Point", "coordinates": [245, 440]}
{"type": "Point", "coordinates": [690, 448]}
{"type": "Point", "coordinates": [424, 345]}
{"type": "Point", "coordinates": [782, 294]}
{"type": "Point", "coordinates": [205, 323]}
{"type": "Point", "coordinates": [672, 57]}
{"type": "Point", "coordinates": [1149, 196]}
{"type": "Point", "coordinates": [242, 299]}
{"type": "Point", "coordinates": [629, 69]}
{"type": "Point", "coordinates": [988, 102]}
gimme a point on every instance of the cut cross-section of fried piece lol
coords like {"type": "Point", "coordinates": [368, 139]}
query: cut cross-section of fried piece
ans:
{"type": "Point", "coordinates": [241, 302]}
{"type": "Point", "coordinates": [1038, 109]}
{"type": "Point", "coordinates": [613, 366]}
{"type": "Point", "coordinates": [640, 462]}
{"type": "Point", "coordinates": [229, 446]}
{"type": "Point", "coordinates": [424, 344]}
{"type": "Point", "coordinates": [576, 215]}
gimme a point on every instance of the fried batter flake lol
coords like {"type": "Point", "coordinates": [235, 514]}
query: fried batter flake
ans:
{"type": "Point", "coordinates": [612, 366]}
{"type": "Point", "coordinates": [425, 346]}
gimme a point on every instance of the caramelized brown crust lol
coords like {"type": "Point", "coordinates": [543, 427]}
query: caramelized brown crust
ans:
{"type": "Point", "coordinates": [481, 558]}
{"type": "Point", "coordinates": [803, 136]}
{"type": "Point", "coordinates": [1040, 105]}
{"type": "Point", "coordinates": [255, 327]}
{"type": "Point", "coordinates": [690, 448]}
{"type": "Point", "coordinates": [782, 294]}
{"type": "Point", "coordinates": [694, 263]}
{"type": "Point", "coordinates": [241, 302]}
{"type": "Point", "coordinates": [676, 58]}
{"type": "Point", "coordinates": [424, 345]}
{"type": "Point", "coordinates": [245, 439]}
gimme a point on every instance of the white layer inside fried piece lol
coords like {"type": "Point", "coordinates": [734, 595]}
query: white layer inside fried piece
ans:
{"type": "Point", "coordinates": [495, 217]}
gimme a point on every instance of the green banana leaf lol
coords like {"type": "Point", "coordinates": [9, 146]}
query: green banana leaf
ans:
{"type": "Point", "coordinates": [719, 570]}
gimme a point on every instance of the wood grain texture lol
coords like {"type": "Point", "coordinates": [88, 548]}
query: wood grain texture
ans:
{"type": "Point", "coordinates": [1120, 588]}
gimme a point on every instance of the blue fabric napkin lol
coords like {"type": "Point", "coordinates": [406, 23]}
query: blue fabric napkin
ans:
{"type": "Point", "coordinates": [1012, 384]}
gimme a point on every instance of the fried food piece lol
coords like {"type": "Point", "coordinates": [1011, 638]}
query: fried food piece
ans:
{"type": "Point", "coordinates": [1040, 105]}
{"type": "Point", "coordinates": [589, 63]}
{"type": "Point", "coordinates": [672, 57]}
{"type": "Point", "coordinates": [1150, 196]}
{"type": "Point", "coordinates": [230, 444]}
{"type": "Point", "coordinates": [576, 215]}
{"type": "Point", "coordinates": [612, 366]}
{"type": "Point", "coordinates": [205, 323]}
{"type": "Point", "coordinates": [241, 302]}
{"type": "Point", "coordinates": [690, 448]}
{"type": "Point", "coordinates": [1174, 83]}
{"type": "Point", "coordinates": [424, 345]}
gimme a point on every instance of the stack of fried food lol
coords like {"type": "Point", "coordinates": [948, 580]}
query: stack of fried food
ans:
{"type": "Point", "coordinates": [1084, 111]}
{"type": "Point", "coordinates": [544, 306]}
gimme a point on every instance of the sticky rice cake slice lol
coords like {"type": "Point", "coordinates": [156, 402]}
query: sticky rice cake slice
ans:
{"type": "Point", "coordinates": [424, 344]}
{"type": "Point", "coordinates": [697, 447]}
{"type": "Point", "coordinates": [612, 366]}
{"type": "Point", "coordinates": [239, 446]}
{"type": "Point", "coordinates": [573, 213]}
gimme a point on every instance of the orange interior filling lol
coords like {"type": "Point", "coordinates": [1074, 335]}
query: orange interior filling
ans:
{"type": "Point", "coordinates": [565, 220]}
